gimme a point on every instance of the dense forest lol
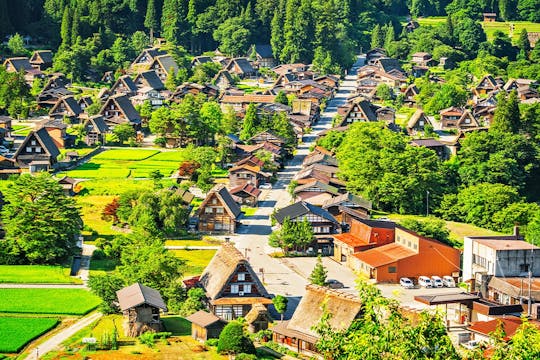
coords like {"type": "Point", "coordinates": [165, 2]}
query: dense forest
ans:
{"type": "Point", "coordinates": [326, 33]}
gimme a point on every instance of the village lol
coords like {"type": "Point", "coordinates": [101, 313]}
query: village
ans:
{"type": "Point", "coordinates": [266, 203]}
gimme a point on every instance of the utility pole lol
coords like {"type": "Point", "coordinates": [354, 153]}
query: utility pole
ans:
{"type": "Point", "coordinates": [427, 202]}
{"type": "Point", "coordinates": [529, 304]}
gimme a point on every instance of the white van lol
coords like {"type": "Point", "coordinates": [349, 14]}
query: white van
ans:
{"type": "Point", "coordinates": [437, 281]}
{"type": "Point", "coordinates": [448, 281]}
{"type": "Point", "coordinates": [425, 282]}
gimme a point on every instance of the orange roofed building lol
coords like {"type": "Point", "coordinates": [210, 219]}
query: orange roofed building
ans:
{"type": "Point", "coordinates": [363, 235]}
{"type": "Point", "coordinates": [411, 255]}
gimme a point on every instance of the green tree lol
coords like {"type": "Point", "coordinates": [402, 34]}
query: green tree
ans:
{"type": "Point", "coordinates": [194, 302]}
{"type": "Point", "coordinates": [156, 177]}
{"type": "Point", "coordinates": [139, 41]}
{"type": "Point", "coordinates": [377, 37]}
{"type": "Point", "coordinates": [151, 21]}
{"type": "Point", "coordinates": [105, 286]}
{"type": "Point", "coordinates": [507, 117]}
{"type": "Point", "coordinates": [523, 41]}
{"type": "Point", "coordinates": [233, 341]}
{"type": "Point", "coordinates": [16, 45]}
{"type": "Point", "coordinates": [384, 92]}
{"type": "Point", "coordinates": [41, 223]}
{"type": "Point", "coordinates": [430, 227]}
{"type": "Point", "coordinates": [233, 37]}
{"type": "Point", "coordinates": [124, 132]}
{"type": "Point", "coordinates": [65, 30]}
{"type": "Point", "coordinates": [281, 98]}
{"type": "Point", "coordinates": [319, 273]}
{"type": "Point", "coordinates": [251, 120]}
{"type": "Point", "coordinates": [173, 21]}
{"type": "Point", "coordinates": [280, 304]}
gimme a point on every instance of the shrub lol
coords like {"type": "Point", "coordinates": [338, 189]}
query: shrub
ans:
{"type": "Point", "coordinates": [233, 341]}
{"type": "Point", "coordinates": [211, 342]}
{"type": "Point", "coordinates": [147, 339]}
{"type": "Point", "coordinates": [243, 356]}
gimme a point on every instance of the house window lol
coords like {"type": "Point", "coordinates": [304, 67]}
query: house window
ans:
{"type": "Point", "coordinates": [234, 289]}
{"type": "Point", "coordinates": [33, 142]}
{"type": "Point", "coordinates": [247, 288]}
{"type": "Point", "coordinates": [241, 277]}
{"type": "Point", "coordinates": [208, 210]}
{"type": "Point", "coordinates": [524, 267]}
{"type": "Point", "coordinates": [392, 269]}
{"type": "Point", "coordinates": [214, 201]}
{"type": "Point", "coordinates": [38, 149]}
{"type": "Point", "coordinates": [219, 210]}
{"type": "Point", "coordinates": [28, 149]}
{"type": "Point", "coordinates": [467, 121]}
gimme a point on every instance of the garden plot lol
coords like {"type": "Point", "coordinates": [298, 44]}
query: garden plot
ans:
{"type": "Point", "coordinates": [47, 301]}
{"type": "Point", "coordinates": [16, 332]}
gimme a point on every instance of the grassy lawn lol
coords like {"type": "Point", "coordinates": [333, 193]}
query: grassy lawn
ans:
{"type": "Point", "coordinates": [91, 207]}
{"type": "Point", "coordinates": [47, 301]}
{"type": "Point", "coordinates": [81, 152]}
{"type": "Point", "coordinates": [403, 115]}
{"type": "Point", "coordinates": [177, 325]}
{"type": "Point", "coordinates": [196, 260]}
{"type": "Point", "coordinates": [205, 241]}
{"type": "Point", "coordinates": [220, 173]}
{"type": "Point", "coordinates": [457, 230]}
{"type": "Point", "coordinates": [249, 211]}
{"type": "Point", "coordinates": [103, 265]}
{"type": "Point", "coordinates": [126, 154]}
{"type": "Point", "coordinates": [116, 186]}
{"type": "Point", "coordinates": [16, 332]}
{"type": "Point", "coordinates": [34, 274]}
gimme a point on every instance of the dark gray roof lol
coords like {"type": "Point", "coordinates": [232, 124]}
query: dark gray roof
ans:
{"type": "Point", "coordinates": [381, 224]}
{"type": "Point", "coordinates": [167, 62]}
{"type": "Point", "coordinates": [127, 108]}
{"type": "Point", "coordinates": [46, 55]}
{"type": "Point", "coordinates": [43, 137]}
{"type": "Point", "coordinates": [243, 64]}
{"type": "Point", "coordinates": [347, 197]}
{"type": "Point", "coordinates": [201, 60]}
{"type": "Point", "coordinates": [98, 123]}
{"type": "Point", "coordinates": [264, 51]}
{"type": "Point", "coordinates": [126, 79]}
{"type": "Point", "coordinates": [154, 52]}
{"type": "Point", "coordinates": [73, 105]}
{"type": "Point", "coordinates": [388, 64]}
{"type": "Point", "coordinates": [151, 79]}
{"type": "Point", "coordinates": [368, 110]}
{"type": "Point", "coordinates": [20, 63]}
{"type": "Point", "coordinates": [301, 208]}
{"type": "Point", "coordinates": [138, 294]}
{"type": "Point", "coordinates": [229, 201]}
{"type": "Point", "coordinates": [427, 142]}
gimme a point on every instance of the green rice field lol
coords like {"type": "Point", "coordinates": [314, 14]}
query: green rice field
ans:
{"type": "Point", "coordinates": [196, 260]}
{"type": "Point", "coordinates": [16, 332]}
{"type": "Point", "coordinates": [47, 301]}
{"type": "Point", "coordinates": [36, 274]}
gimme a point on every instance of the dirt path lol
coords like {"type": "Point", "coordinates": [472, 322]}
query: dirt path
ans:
{"type": "Point", "coordinates": [54, 342]}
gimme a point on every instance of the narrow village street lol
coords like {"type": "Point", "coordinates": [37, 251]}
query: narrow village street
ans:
{"type": "Point", "coordinates": [289, 276]}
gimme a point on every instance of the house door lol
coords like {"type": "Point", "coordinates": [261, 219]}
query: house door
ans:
{"type": "Point", "coordinates": [343, 258]}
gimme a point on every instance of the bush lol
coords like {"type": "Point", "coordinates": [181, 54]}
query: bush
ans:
{"type": "Point", "coordinates": [147, 339]}
{"type": "Point", "coordinates": [233, 341]}
{"type": "Point", "coordinates": [211, 342]}
{"type": "Point", "coordinates": [243, 356]}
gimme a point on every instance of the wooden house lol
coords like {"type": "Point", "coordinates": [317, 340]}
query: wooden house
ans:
{"type": "Point", "coordinates": [361, 111]}
{"type": "Point", "coordinates": [457, 118]}
{"type": "Point", "coordinates": [42, 59]}
{"type": "Point", "coordinates": [232, 287]}
{"type": "Point", "coordinates": [362, 234]}
{"type": "Point", "coordinates": [223, 80]}
{"type": "Point", "coordinates": [54, 89]}
{"type": "Point", "coordinates": [264, 56]}
{"type": "Point", "coordinates": [322, 222]}
{"type": "Point", "coordinates": [124, 86]}
{"type": "Point", "coordinates": [22, 64]}
{"type": "Point", "coordinates": [69, 185]}
{"type": "Point", "coordinates": [163, 65]}
{"type": "Point", "coordinates": [316, 157]}
{"type": "Point", "coordinates": [240, 67]}
{"type": "Point", "coordinates": [66, 107]}
{"type": "Point", "coordinates": [218, 212]}
{"type": "Point", "coordinates": [243, 150]}
{"type": "Point", "coordinates": [347, 200]}
{"type": "Point", "coordinates": [315, 192]}
{"type": "Point", "coordinates": [118, 109]}
{"type": "Point", "coordinates": [374, 54]}
{"type": "Point", "coordinates": [200, 60]}
{"type": "Point", "coordinates": [329, 81]}
{"type": "Point", "coordinates": [148, 79]}
{"type": "Point", "coordinates": [323, 173]}
{"type": "Point", "coordinates": [205, 325]}
{"type": "Point", "coordinates": [84, 102]}
{"type": "Point", "coordinates": [8, 167]}
{"type": "Point", "coordinates": [241, 102]}
{"type": "Point", "coordinates": [486, 85]}
{"type": "Point", "coordinates": [57, 131]}
{"type": "Point", "coordinates": [299, 333]}
{"type": "Point", "coordinates": [266, 136]}
{"type": "Point", "coordinates": [96, 130]}
{"type": "Point", "coordinates": [490, 17]}
{"type": "Point", "coordinates": [5, 124]}
{"type": "Point", "coordinates": [418, 122]}
{"type": "Point", "coordinates": [386, 114]}
{"type": "Point", "coordinates": [141, 307]}
{"type": "Point", "coordinates": [37, 151]}
{"type": "Point", "coordinates": [246, 194]}
{"type": "Point", "coordinates": [181, 91]}
{"type": "Point", "coordinates": [242, 174]}
{"type": "Point", "coordinates": [422, 59]}
{"type": "Point", "coordinates": [145, 58]}
{"type": "Point", "coordinates": [409, 96]}
{"type": "Point", "coordinates": [433, 144]}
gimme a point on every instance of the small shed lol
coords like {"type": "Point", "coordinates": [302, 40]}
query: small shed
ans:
{"type": "Point", "coordinates": [258, 318]}
{"type": "Point", "coordinates": [141, 307]}
{"type": "Point", "coordinates": [490, 17]}
{"type": "Point", "coordinates": [205, 325]}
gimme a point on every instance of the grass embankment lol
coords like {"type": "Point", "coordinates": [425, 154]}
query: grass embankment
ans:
{"type": "Point", "coordinates": [457, 230]}
{"type": "Point", "coordinates": [489, 27]}
{"type": "Point", "coordinates": [36, 274]}
{"type": "Point", "coordinates": [47, 301]}
{"type": "Point", "coordinates": [196, 260]}
{"type": "Point", "coordinates": [16, 332]}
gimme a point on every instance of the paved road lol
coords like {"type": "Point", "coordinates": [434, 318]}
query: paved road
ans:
{"type": "Point", "coordinates": [56, 340]}
{"type": "Point", "coordinates": [288, 276]}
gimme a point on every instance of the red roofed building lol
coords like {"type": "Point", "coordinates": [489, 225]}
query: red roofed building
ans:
{"type": "Point", "coordinates": [481, 330]}
{"type": "Point", "coordinates": [246, 194]}
{"type": "Point", "coordinates": [363, 235]}
{"type": "Point", "coordinates": [411, 255]}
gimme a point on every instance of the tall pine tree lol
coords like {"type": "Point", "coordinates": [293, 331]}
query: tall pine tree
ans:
{"type": "Point", "coordinates": [507, 117]}
{"type": "Point", "coordinates": [65, 28]}
{"type": "Point", "coordinates": [151, 21]}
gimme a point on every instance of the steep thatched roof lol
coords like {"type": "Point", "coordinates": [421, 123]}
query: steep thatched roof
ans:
{"type": "Point", "coordinates": [138, 294]}
{"type": "Point", "coordinates": [343, 307]}
{"type": "Point", "coordinates": [222, 268]}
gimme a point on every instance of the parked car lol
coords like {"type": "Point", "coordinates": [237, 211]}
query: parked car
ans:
{"type": "Point", "coordinates": [425, 282]}
{"type": "Point", "coordinates": [334, 284]}
{"type": "Point", "coordinates": [406, 283]}
{"type": "Point", "coordinates": [265, 186]}
{"type": "Point", "coordinates": [471, 344]}
{"type": "Point", "coordinates": [448, 281]}
{"type": "Point", "coordinates": [437, 281]}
